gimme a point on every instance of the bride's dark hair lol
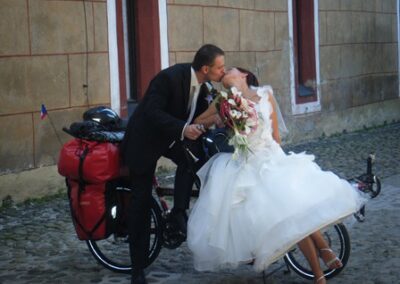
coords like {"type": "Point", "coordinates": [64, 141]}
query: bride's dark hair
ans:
{"type": "Point", "coordinates": [251, 79]}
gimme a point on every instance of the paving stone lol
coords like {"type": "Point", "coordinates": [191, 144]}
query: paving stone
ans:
{"type": "Point", "coordinates": [38, 242]}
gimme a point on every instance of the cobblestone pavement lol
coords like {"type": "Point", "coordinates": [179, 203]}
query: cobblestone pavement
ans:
{"type": "Point", "coordinates": [38, 243]}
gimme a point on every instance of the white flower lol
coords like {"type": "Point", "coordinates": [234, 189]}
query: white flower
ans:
{"type": "Point", "coordinates": [241, 119]}
{"type": "Point", "coordinates": [245, 104]}
{"type": "Point", "coordinates": [251, 122]}
{"type": "Point", "coordinates": [238, 139]}
{"type": "Point", "coordinates": [235, 114]}
{"type": "Point", "coordinates": [236, 92]}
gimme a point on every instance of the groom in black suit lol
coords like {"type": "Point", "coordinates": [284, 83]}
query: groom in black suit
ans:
{"type": "Point", "coordinates": [161, 121]}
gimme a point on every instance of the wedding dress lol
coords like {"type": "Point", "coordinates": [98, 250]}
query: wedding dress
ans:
{"type": "Point", "coordinates": [258, 208]}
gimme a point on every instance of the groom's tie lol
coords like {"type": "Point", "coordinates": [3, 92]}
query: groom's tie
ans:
{"type": "Point", "coordinates": [194, 102]}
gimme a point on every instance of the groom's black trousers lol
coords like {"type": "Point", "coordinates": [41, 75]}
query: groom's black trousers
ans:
{"type": "Point", "coordinates": [141, 197]}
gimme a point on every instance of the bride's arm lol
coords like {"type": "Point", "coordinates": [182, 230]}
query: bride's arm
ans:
{"type": "Point", "coordinates": [274, 118]}
{"type": "Point", "coordinates": [209, 117]}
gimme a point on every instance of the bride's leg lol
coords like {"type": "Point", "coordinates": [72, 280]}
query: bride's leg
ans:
{"type": "Point", "coordinates": [309, 250]}
{"type": "Point", "coordinates": [325, 252]}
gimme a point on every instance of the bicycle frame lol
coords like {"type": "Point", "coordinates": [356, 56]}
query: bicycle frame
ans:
{"type": "Point", "coordinates": [367, 183]}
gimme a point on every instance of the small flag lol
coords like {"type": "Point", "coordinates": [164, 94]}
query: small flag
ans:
{"type": "Point", "coordinates": [43, 112]}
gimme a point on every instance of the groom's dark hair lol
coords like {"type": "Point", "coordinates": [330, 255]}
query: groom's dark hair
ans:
{"type": "Point", "coordinates": [206, 56]}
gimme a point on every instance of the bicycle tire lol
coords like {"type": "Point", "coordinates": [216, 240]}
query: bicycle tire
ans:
{"type": "Point", "coordinates": [338, 239]}
{"type": "Point", "coordinates": [113, 252]}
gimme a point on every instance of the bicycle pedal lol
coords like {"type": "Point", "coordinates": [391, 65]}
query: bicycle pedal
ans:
{"type": "Point", "coordinates": [173, 241]}
{"type": "Point", "coordinates": [173, 238]}
{"type": "Point", "coordinates": [360, 217]}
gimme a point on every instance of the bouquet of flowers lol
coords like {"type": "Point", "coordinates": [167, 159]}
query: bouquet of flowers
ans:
{"type": "Point", "coordinates": [240, 116]}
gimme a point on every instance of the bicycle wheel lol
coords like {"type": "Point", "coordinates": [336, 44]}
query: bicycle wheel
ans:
{"type": "Point", "coordinates": [338, 239]}
{"type": "Point", "coordinates": [113, 252]}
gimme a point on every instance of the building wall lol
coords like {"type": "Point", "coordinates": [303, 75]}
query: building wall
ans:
{"type": "Point", "coordinates": [253, 34]}
{"type": "Point", "coordinates": [357, 47]}
{"type": "Point", "coordinates": [43, 55]}
{"type": "Point", "coordinates": [358, 67]}
{"type": "Point", "coordinates": [49, 51]}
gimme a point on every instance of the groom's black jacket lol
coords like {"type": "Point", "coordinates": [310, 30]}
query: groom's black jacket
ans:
{"type": "Point", "coordinates": [159, 118]}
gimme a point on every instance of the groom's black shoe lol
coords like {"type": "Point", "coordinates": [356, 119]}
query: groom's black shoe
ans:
{"type": "Point", "coordinates": [175, 230]}
{"type": "Point", "coordinates": [179, 222]}
{"type": "Point", "coordinates": [138, 277]}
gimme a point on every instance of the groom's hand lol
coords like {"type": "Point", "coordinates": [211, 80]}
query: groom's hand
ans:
{"type": "Point", "coordinates": [193, 131]}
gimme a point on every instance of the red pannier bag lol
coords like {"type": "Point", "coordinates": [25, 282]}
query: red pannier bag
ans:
{"type": "Point", "coordinates": [93, 209]}
{"type": "Point", "coordinates": [91, 161]}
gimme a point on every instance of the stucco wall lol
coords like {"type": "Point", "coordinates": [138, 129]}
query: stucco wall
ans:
{"type": "Point", "coordinates": [48, 51]}
{"type": "Point", "coordinates": [357, 50]}
{"type": "Point", "coordinates": [253, 33]}
{"type": "Point", "coordinates": [43, 57]}
{"type": "Point", "coordinates": [358, 68]}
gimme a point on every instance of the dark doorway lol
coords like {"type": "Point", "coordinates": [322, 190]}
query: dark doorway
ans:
{"type": "Point", "coordinates": [142, 24]}
{"type": "Point", "coordinates": [131, 52]}
{"type": "Point", "coordinates": [132, 99]}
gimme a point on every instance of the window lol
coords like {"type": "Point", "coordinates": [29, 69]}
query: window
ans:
{"type": "Point", "coordinates": [303, 25]}
{"type": "Point", "coordinates": [304, 47]}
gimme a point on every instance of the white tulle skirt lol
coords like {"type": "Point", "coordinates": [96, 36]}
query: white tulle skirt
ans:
{"type": "Point", "coordinates": [259, 208]}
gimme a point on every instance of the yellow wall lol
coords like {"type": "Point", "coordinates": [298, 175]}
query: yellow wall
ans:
{"type": "Point", "coordinates": [48, 51]}
{"type": "Point", "coordinates": [358, 55]}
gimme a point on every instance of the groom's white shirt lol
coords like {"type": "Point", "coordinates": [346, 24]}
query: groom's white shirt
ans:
{"type": "Point", "coordinates": [193, 95]}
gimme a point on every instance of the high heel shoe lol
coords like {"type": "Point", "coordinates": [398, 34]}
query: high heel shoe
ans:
{"type": "Point", "coordinates": [334, 262]}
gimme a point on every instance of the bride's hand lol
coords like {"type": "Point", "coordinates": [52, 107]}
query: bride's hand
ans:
{"type": "Point", "coordinates": [218, 121]}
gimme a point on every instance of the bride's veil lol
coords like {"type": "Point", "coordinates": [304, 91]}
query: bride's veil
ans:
{"type": "Point", "coordinates": [281, 122]}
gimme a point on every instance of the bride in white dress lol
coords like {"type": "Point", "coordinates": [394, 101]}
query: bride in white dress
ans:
{"type": "Point", "coordinates": [255, 209]}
